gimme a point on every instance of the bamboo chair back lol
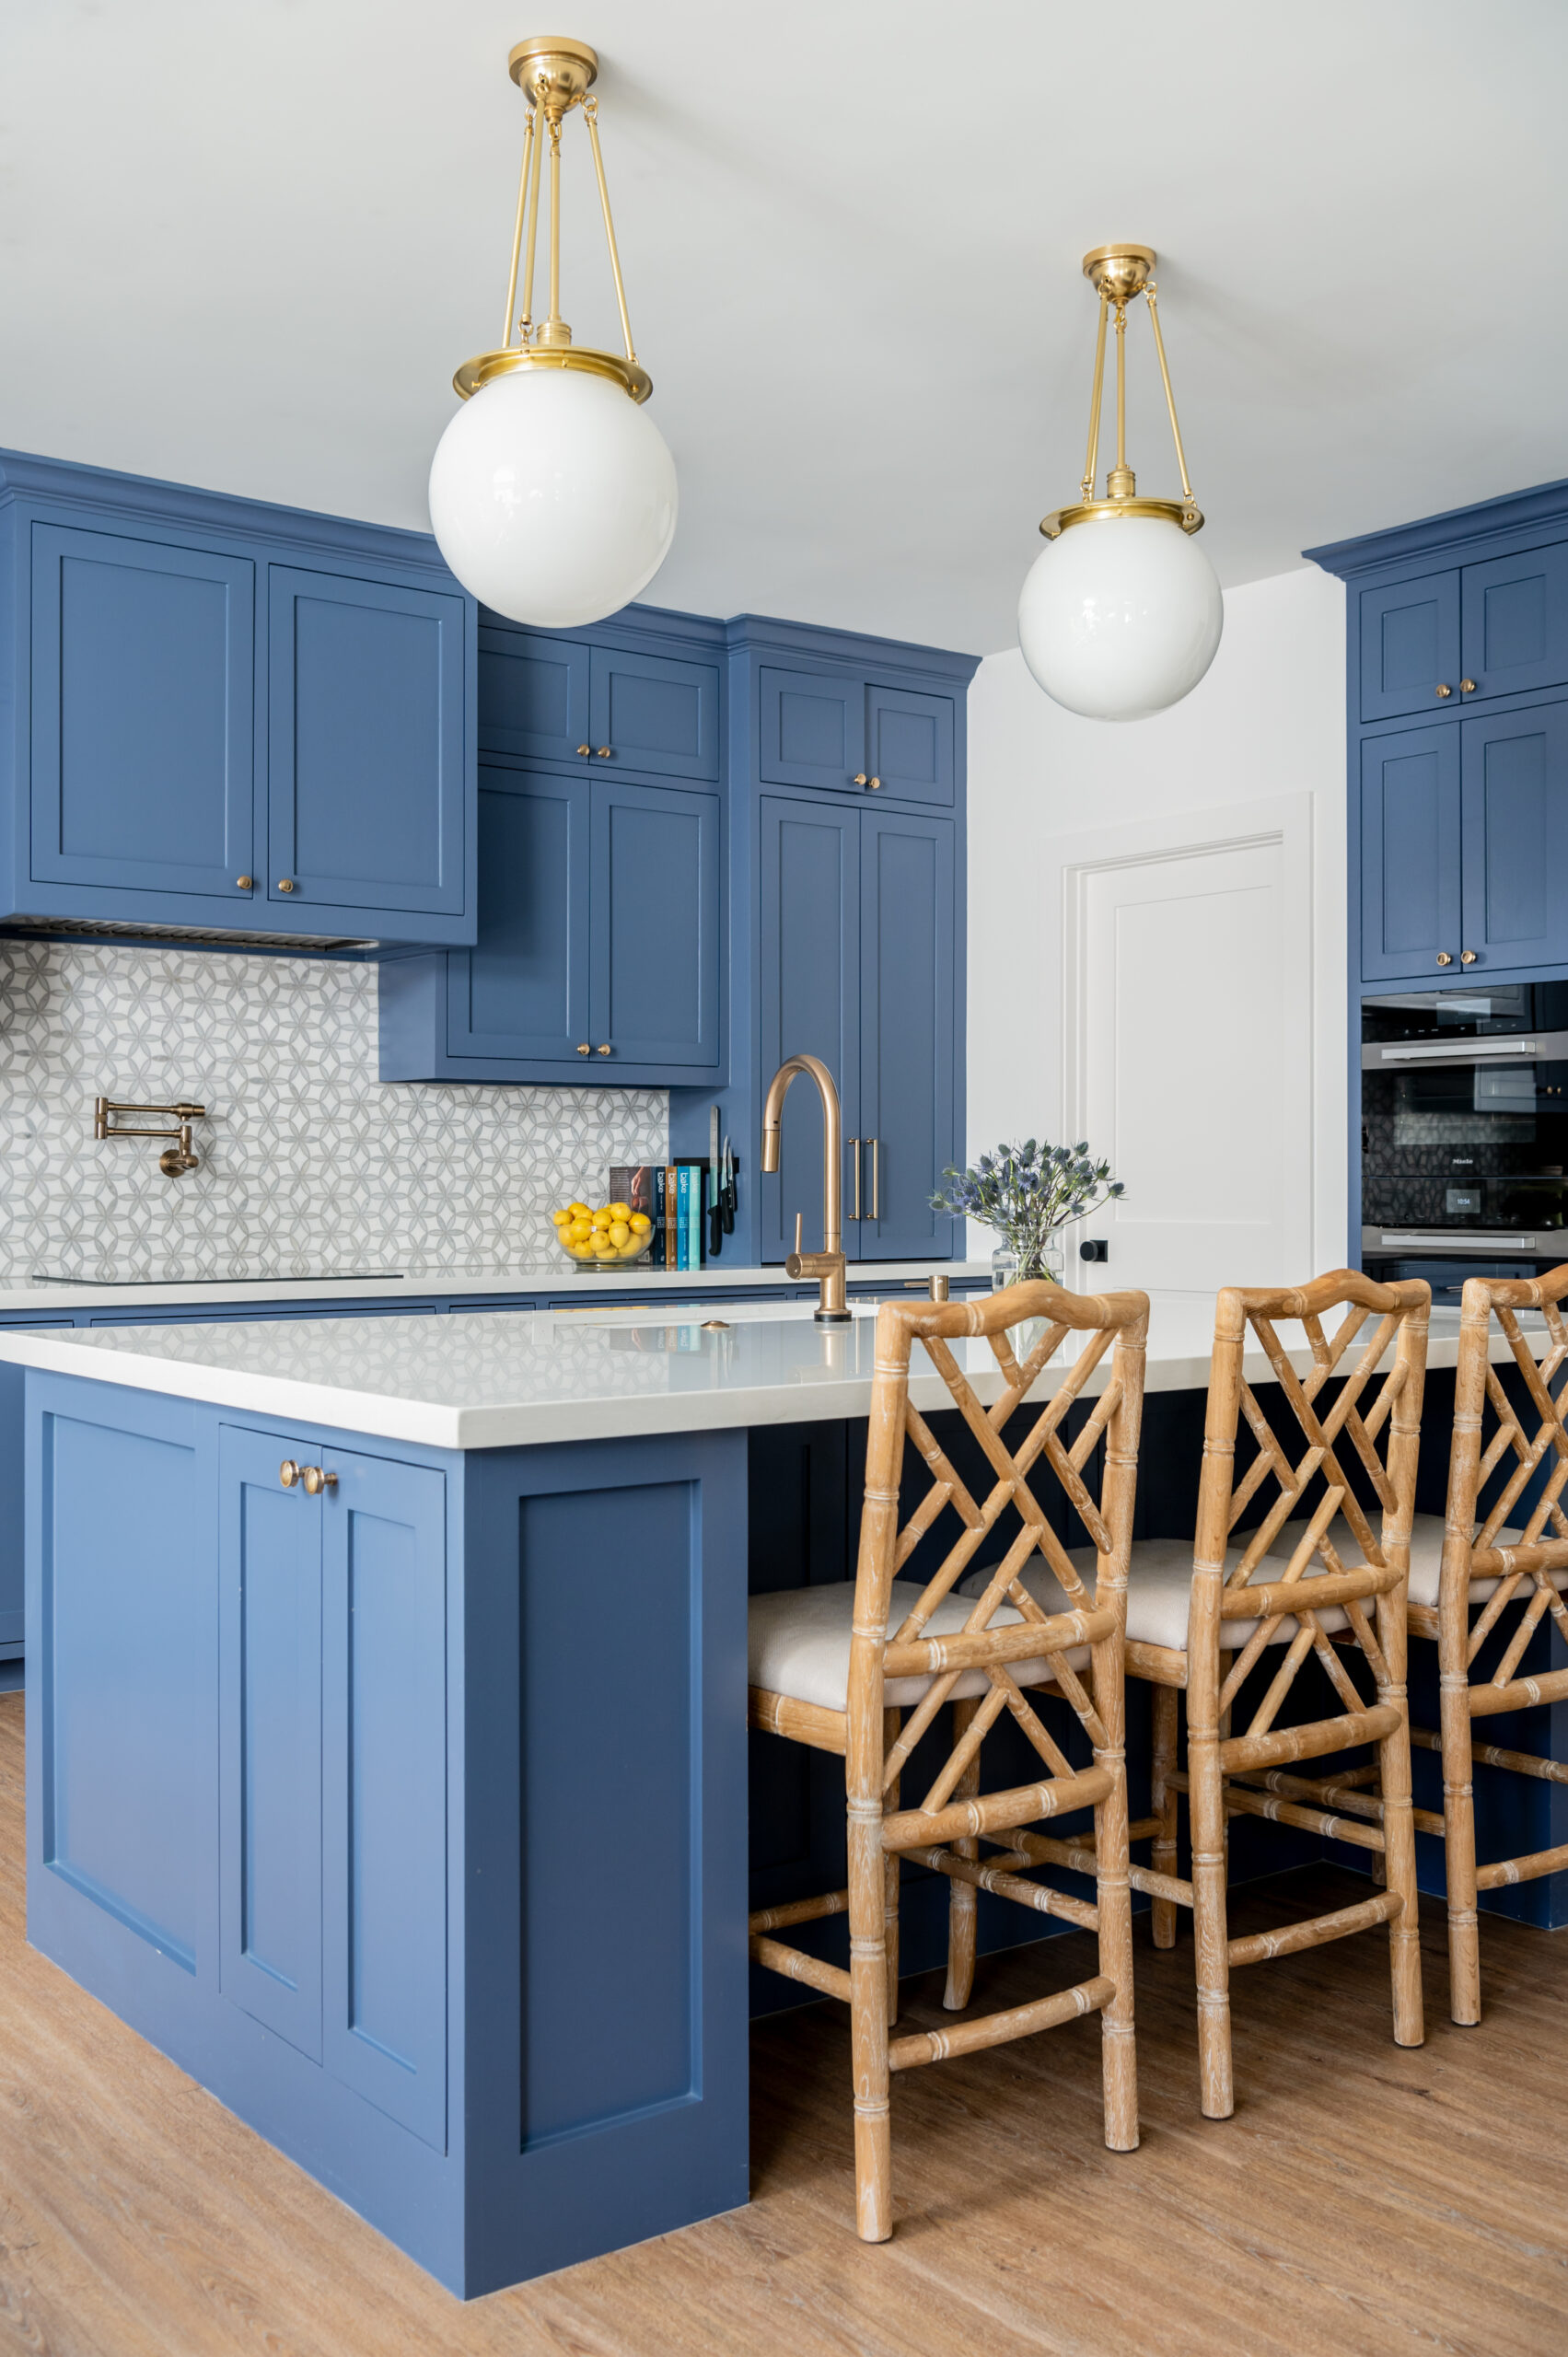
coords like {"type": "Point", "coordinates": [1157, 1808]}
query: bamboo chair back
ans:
{"type": "Point", "coordinates": [1114, 1322]}
{"type": "Point", "coordinates": [1523, 1568]}
{"type": "Point", "coordinates": [1371, 1427]}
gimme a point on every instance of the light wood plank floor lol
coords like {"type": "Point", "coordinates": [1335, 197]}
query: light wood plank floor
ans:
{"type": "Point", "coordinates": [1363, 2199]}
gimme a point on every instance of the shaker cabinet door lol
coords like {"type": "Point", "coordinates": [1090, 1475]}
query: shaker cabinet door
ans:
{"type": "Point", "coordinates": [533, 696]}
{"type": "Point", "coordinates": [1515, 622]}
{"type": "Point", "coordinates": [270, 1739]}
{"type": "Point", "coordinates": [653, 998]}
{"type": "Point", "coordinates": [907, 945]}
{"type": "Point", "coordinates": [1410, 646]}
{"type": "Point", "coordinates": [522, 991]}
{"type": "Point", "coordinates": [1515, 838]}
{"type": "Point", "coordinates": [808, 937]}
{"type": "Point", "coordinates": [658, 715]}
{"type": "Point", "coordinates": [910, 744]}
{"type": "Point", "coordinates": [143, 719]}
{"type": "Point", "coordinates": [365, 754]}
{"type": "Point", "coordinates": [1410, 855]}
{"type": "Point", "coordinates": [813, 730]}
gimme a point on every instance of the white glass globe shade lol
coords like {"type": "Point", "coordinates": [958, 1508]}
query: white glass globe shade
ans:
{"type": "Point", "coordinates": [553, 496]}
{"type": "Point", "coordinates": [1120, 617]}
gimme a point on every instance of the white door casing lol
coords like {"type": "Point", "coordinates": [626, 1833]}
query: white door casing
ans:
{"type": "Point", "coordinates": [1187, 1046]}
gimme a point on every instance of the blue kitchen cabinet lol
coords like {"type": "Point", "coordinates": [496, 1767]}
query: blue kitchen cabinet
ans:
{"type": "Point", "coordinates": [1410, 855]}
{"type": "Point", "coordinates": [599, 953]}
{"type": "Point", "coordinates": [521, 993]}
{"type": "Point", "coordinates": [858, 937]}
{"type": "Point", "coordinates": [911, 744]}
{"type": "Point", "coordinates": [1515, 849]}
{"type": "Point", "coordinates": [811, 727]}
{"type": "Point", "coordinates": [368, 796]}
{"type": "Point", "coordinates": [1456, 637]}
{"type": "Point", "coordinates": [655, 713]}
{"type": "Point", "coordinates": [809, 946]}
{"type": "Point", "coordinates": [230, 716]}
{"type": "Point", "coordinates": [534, 695]}
{"type": "Point", "coordinates": [143, 737]}
{"type": "Point", "coordinates": [654, 951]}
{"type": "Point", "coordinates": [908, 941]}
{"type": "Point", "coordinates": [333, 1750]}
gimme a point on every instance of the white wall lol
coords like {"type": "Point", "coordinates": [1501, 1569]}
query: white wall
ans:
{"type": "Point", "coordinates": [1268, 720]}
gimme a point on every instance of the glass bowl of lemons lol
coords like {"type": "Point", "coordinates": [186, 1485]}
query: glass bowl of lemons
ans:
{"type": "Point", "coordinates": [606, 1238]}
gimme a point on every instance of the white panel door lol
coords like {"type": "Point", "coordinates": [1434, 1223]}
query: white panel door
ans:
{"type": "Point", "coordinates": [1189, 1061]}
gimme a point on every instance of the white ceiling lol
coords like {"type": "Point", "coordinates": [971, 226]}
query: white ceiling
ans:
{"type": "Point", "coordinates": [245, 246]}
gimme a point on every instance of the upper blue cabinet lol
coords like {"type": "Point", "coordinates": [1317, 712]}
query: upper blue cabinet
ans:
{"type": "Point", "coordinates": [844, 735]}
{"type": "Point", "coordinates": [230, 717]}
{"type": "Point", "coordinates": [613, 709]}
{"type": "Point", "coordinates": [1461, 635]}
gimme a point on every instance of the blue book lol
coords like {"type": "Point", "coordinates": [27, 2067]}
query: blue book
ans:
{"type": "Point", "coordinates": [683, 1216]}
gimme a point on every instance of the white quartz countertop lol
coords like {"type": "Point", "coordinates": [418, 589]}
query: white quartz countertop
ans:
{"type": "Point", "coordinates": [496, 1379]}
{"type": "Point", "coordinates": [49, 1296]}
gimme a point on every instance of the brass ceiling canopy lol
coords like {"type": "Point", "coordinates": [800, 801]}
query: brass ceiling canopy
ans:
{"type": "Point", "coordinates": [1120, 274]}
{"type": "Point", "coordinates": [555, 74]}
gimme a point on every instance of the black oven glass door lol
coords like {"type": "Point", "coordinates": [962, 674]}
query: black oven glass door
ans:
{"type": "Point", "coordinates": [1473, 1146]}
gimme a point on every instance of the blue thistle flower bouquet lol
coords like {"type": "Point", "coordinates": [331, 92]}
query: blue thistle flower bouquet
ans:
{"type": "Point", "coordinates": [1025, 1192]}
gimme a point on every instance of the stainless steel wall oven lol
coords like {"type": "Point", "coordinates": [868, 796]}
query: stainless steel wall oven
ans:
{"type": "Point", "coordinates": [1464, 1132]}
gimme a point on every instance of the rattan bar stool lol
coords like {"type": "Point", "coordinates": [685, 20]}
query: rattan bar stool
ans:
{"type": "Point", "coordinates": [1199, 1619]}
{"type": "Point", "coordinates": [840, 1668]}
{"type": "Point", "coordinates": [1469, 1576]}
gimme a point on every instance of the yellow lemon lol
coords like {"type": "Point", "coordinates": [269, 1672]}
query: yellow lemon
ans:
{"type": "Point", "coordinates": [640, 1223]}
{"type": "Point", "coordinates": [579, 1231]}
{"type": "Point", "coordinates": [578, 1209]}
{"type": "Point", "coordinates": [620, 1234]}
{"type": "Point", "coordinates": [562, 1219]}
{"type": "Point", "coordinates": [603, 1248]}
{"type": "Point", "coordinates": [620, 1210]}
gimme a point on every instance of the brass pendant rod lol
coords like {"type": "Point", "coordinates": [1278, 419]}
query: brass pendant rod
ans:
{"type": "Point", "coordinates": [590, 115]}
{"type": "Point", "coordinates": [1121, 388]}
{"type": "Point", "coordinates": [1097, 402]}
{"type": "Point", "coordinates": [507, 324]}
{"type": "Point", "coordinates": [1169, 396]}
{"type": "Point", "coordinates": [527, 320]}
{"type": "Point", "coordinates": [554, 217]}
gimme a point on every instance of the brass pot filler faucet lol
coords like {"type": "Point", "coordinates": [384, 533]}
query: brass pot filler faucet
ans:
{"type": "Point", "coordinates": [176, 1159]}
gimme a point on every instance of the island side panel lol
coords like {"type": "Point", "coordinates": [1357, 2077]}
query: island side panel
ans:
{"type": "Point", "coordinates": [148, 1519]}
{"type": "Point", "coordinates": [607, 2096]}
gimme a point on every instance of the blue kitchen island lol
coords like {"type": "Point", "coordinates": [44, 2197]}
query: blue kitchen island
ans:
{"type": "Point", "coordinates": [387, 1743]}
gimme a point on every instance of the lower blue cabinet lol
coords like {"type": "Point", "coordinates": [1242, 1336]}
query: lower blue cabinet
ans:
{"type": "Point", "coordinates": [521, 993]}
{"type": "Point", "coordinates": [332, 1748]}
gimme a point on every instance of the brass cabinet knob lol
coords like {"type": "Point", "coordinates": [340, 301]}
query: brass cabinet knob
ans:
{"type": "Point", "coordinates": [316, 1481]}
{"type": "Point", "coordinates": [1444, 689]}
{"type": "Point", "coordinates": [245, 882]}
{"type": "Point", "coordinates": [859, 777]}
{"type": "Point", "coordinates": [584, 1049]}
{"type": "Point", "coordinates": [604, 752]}
{"type": "Point", "coordinates": [874, 784]}
{"type": "Point", "coordinates": [604, 1049]}
{"type": "Point", "coordinates": [1467, 957]}
{"type": "Point", "coordinates": [1467, 687]}
{"type": "Point", "coordinates": [286, 883]}
{"type": "Point", "coordinates": [584, 750]}
{"type": "Point", "coordinates": [1443, 958]}
{"type": "Point", "coordinates": [288, 1472]}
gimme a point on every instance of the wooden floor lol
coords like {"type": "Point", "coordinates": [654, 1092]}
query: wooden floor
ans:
{"type": "Point", "coordinates": [1362, 2200]}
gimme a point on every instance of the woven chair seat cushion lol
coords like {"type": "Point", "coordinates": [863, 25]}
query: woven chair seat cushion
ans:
{"type": "Point", "coordinates": [799, 1639]}
{"type": "Point", "coordinates": [1159, 1593]}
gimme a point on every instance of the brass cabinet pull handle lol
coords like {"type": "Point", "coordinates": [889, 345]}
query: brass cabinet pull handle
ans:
{"type": "Point", "coordinates": [1467, 687]}
{"type": "Point", "coordinates": [854, 1149]}
{"type": "Point", "coordinates": [875, 1177]}
{"type": "Point", "coordinates": [584, 1049]}
{"type": "Point", "coordinates": [584, 750]}
{"type": "Point", "coordinates": [1444, 690]}
{"type": "Point", "coordinates": [1444, 957]}
{"type": "Point", "coordinates": [859, 777]}
{"type": "Point", "coordinates": [245, 882]}
{"type": "Point", "coordinates": [604, 1049]}
{"type": "Point", "coordinates": [316, 1480]}
{"type": "Point", "coordinates": [1467, 957]}
{"type": "Point", "coordinates": [286, 883]}
{"type": "Point", "coordinates": [288, 1472]}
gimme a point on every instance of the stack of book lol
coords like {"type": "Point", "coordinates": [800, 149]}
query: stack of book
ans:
{"type": "Point", "coordinates": [674, 1196]}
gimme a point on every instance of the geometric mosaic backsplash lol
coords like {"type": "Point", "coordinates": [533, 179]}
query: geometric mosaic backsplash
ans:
{"type": "Point", "coordinates": [308, 1162]}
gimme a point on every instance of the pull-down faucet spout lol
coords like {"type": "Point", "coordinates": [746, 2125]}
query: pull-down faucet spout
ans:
{"type": "Point", "coordinates": [827, 1266]}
